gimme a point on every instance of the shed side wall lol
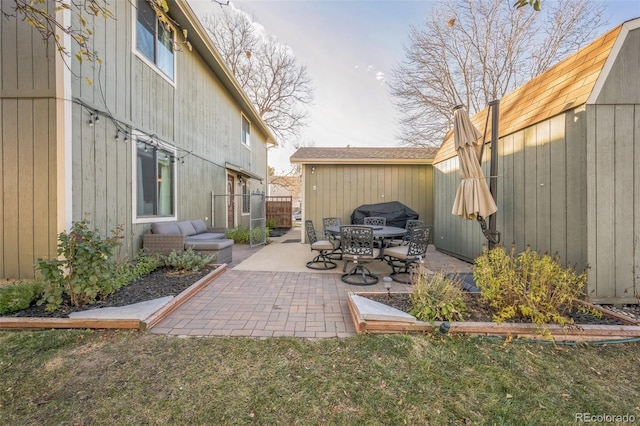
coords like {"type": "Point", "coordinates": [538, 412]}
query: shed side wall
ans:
{"type": "Point", "coordinates": [541, 193]}
{"type": "Point", "coordinates": [337, 190]}
{"type": "Point", "coordinates": [614, 233]}
{"type": "Point", "coordinates": [613, 216]}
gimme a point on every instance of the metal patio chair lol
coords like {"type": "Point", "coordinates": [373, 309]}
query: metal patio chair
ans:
{"type": "Point", "coordinates": [375, 221]}
{"type": "Point", "coordinates": [323, 247]}
{"type": "Point", "coordinates": [402, 258]}
{"type": "Point", "coordinates": [411, 223]}
{"type": "Point", "coordinates": [358, 248]}
{"type": "Point", "coordinates": [334, 238]}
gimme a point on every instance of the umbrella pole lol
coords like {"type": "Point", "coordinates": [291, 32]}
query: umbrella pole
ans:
{"type": "Point", "coordinates": [493, 174]}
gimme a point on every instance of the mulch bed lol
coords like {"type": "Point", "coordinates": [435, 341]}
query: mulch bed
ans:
{"type": "Point", "coordinates": [160, 283]}
{"type": "Point", "coordinates": [480, 311]}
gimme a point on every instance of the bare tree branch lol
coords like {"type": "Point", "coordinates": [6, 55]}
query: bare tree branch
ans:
{"type": "Point", "coordinates": [278, 86]}
{"type": "Point", "coordinates": [474, 51]}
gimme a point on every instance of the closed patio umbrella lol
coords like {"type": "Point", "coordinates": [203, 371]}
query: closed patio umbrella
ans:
{"type": "Point", "coordinates": [473, 198]}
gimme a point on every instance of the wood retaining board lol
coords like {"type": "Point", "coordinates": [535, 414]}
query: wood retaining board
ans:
{"type": "Point", "coordinates": [31, 323]}
{"type": "Point", "coordinates": [572, 333]}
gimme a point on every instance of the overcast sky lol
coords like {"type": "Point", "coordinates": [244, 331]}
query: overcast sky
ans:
{"type": "Point", "coordinates": [349, 49]}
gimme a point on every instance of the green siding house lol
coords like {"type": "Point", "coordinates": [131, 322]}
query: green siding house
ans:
{"type": "Point", "coordinates": [568, 156]}
{"type": "Point", "coordinates": [148, 133]}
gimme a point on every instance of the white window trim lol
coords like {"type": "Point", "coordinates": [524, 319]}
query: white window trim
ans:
{"type": "Point", "coordinates": [244, 117]}
{"type": "Point", "coordinates": [244, 185]}
{"type": "Point", "coordinates": [146, 60]}
{"type": "Point", "coordinates": [135, 136]}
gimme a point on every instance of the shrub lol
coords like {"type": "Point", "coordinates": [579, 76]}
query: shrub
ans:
{"type": "Point", "coordinates": [142, 265]}
{"type": "Point", "coordinates": [85, 269]}
{"type": "Point", "coordinates": [437, 298]}
{"type": "Point", "coordinates": [529, 286]}
{"type": "Point", "coordinates": [272, 223]}
{"type": "Point", "coordinates": [187, 260]}
{"type": "Point", "coordinates": [242, 235]}
{"type": "Point", "coordinates": [18, 296]}
{"type": "Point", "coordinates": [239, 234]}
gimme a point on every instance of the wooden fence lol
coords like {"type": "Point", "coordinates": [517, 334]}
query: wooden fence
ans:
{"type": "Point", "coordinates": [279, 211]}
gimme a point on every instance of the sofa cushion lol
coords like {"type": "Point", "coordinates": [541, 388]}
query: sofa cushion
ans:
{"type": "Point", "coordinates": [216, 244]}
{"type": "Point", "coordinates": [186, 228]}
{"type": "Point", "coordinates": [208, 236]}
{"type": "Point", "coordinates": [199, 226]}
{"type": "Point", "coordinates": [166, 228]}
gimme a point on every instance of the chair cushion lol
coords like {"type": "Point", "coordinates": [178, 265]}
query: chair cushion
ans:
{"type": "Point", "coordinates": [323, 245]}
{"type": "Point", "coordinates": [397, 242]}
{"type": "Point", "coordinates": [214, 244]}
{"type": "Point", "coordinates": [399, 252]}
{"type": "Point", "coordinates": [186, 228]}
{"type": "Point", "coordinates": [199, 226]}
{"type": "Point", "coordinates": [207, 236]}
{"type": "Point", "coordinates": [165, 228]}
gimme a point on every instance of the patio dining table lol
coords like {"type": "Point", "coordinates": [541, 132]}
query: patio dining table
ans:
{"type": "Point", "coordinates": [379, 232]}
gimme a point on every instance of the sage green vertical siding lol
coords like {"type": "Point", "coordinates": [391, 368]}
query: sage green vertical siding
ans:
{"type": "Point", "coordinates": [613, 156]}
{"type": "Point", "coordinates": [614, 233]}
{"type": "Point", "coordinates": [28, 206]}
{"type": "Point", "coordinates": [536, 178]}
{"type": "Point", "coordinates": [569, 185]}
{"type": "Point", "coordinates": [194, 114]}
{"type": "Point", "coordinates": [338, 189]}
{"type": "Point", "coordinates": [101, 165]}
{"type": "Point", "coordinates": [454, 235]}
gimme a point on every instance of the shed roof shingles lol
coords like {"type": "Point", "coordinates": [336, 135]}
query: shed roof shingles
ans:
{"type": "Point", "coordinates": [355, 154]}
{"type": "Point", "coordinates": [566, 85]}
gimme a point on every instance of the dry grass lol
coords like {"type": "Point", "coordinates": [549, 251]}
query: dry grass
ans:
{"type": "Point", "coordinates": [115, 377]}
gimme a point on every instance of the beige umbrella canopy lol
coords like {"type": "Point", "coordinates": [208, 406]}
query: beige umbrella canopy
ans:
{"type": "Point", "coordinates": [473, 198]}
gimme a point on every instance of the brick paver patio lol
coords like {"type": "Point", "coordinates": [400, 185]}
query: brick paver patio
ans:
{"type": "Point", "coordinates": [268, 292]}
{"type": "Point", "coordinates": [265, 304]}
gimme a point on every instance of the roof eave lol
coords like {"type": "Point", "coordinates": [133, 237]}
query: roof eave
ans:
{"type": "Point", "coordinates": [376, 161]}
{"type": "Point", "coordinates": [184, 15]}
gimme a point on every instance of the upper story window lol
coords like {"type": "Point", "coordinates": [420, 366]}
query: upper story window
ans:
{"type": "Point", "coordinates": [154, 40]}
{"type": "Point", "coordinates": [246, 131]}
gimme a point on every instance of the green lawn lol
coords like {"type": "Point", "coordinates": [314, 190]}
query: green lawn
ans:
{"type": "Point", "coordinates": [116, 377]}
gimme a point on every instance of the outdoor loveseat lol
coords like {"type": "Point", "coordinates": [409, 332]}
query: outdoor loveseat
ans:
{"type": "Point", "coordinates": [165, 237]}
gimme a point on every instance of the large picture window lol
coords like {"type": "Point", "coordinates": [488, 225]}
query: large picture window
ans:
{"type": "Point", "coordinates": [154, 40]}
{"type": "Point", "coordinates": [156, 183]}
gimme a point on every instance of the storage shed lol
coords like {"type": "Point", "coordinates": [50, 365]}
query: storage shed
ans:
{"type": "Point", "coordinates": [568, 180]}
{"type": "Point", "coordinates": [338, 180]}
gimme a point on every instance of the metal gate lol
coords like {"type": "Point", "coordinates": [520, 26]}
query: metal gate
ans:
{"type": "Point", "coordinates": [254, 219]}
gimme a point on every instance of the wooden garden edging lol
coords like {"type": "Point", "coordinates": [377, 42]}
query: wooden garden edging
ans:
{"type": "Point", "coordinates": [30, 323]}
{"type": "Point", "coordinates": [573, 333]}
{"type": "Point", "coordinates": [157, 316]}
